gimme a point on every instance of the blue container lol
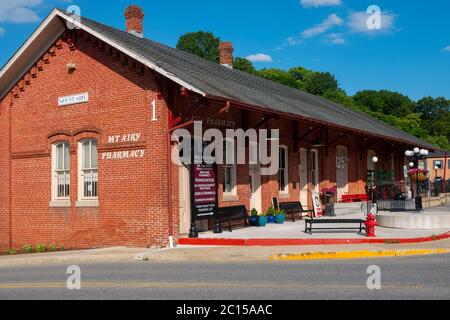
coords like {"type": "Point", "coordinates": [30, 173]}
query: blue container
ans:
{"type": "Point", "coordinates": [271, 219]}
{"type": "Point", "coordinates": [280, 219]}
{"type": "Point", "coordinates": [253, 221]}
{"type": "Point", "coordinates": [262, 221]}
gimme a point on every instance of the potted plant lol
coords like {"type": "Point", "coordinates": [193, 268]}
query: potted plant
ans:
{"type": "Point", "coordinates": [280, 216]}
{"type": "Point", "coordinates": [419, 175]}
{"type": "Point", "coordinates": [262, 219]}
{"type": "Point", "coordinates": [271, 215]}
{"type": "Point", "coordinates": [253, 217]}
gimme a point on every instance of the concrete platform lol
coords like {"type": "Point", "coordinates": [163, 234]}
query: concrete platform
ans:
{"type": "Point", "coordinates": [431, 219]}
{"type": "Point", "coordinates": [292, 233]}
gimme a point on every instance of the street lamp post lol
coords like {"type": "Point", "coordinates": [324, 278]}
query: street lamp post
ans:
{"type": "Point", "coordinates": [415, 156]}
{"type": "Point", "coordinates": [371, 188]}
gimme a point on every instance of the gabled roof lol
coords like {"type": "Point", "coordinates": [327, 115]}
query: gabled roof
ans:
{"type": "Point", "coordinates": [210, 79]}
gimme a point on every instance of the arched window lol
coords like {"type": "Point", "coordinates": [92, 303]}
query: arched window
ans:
{"type": "Point", "coordinates": [61, 171]}
{"type": "Point", "coordinates": [88, 170]}
{"type": "Point", "coordinates": [283, 176]}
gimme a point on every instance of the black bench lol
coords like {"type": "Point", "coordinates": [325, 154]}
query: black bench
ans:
{"type": "Point", "coordinates": [228, 214]}
{"type": "Point", "coordinates": [293, 209]}
{"type": "Point", "coordinates": [310, 222]}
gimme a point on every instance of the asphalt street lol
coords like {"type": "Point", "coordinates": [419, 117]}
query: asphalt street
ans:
{"type": "Point", "coordinates": [424, 277]}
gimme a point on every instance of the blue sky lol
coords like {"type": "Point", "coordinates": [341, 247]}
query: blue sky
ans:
{"type": "Point", "coordinates": [410, 54]}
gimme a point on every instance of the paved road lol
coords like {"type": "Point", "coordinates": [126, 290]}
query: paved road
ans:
{"type": "Point", "coordinates": [426, 277]}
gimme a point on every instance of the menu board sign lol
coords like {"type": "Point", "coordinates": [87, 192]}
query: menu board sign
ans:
{"type": "Point", "coordinates": [204, 191]}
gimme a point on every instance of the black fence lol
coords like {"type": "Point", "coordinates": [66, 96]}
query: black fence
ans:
{"type": "Point", "coordinates": [397, 205]}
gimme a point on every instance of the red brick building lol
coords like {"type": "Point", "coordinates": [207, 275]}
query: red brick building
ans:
{"type": "Point", "coordinates": [86, 115]}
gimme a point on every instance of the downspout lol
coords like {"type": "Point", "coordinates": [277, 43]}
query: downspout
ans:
{"type": "Point", "coordinates": [10, 174]}
{"type": "Point", "coordinates": [169, 163]}
{"type": "Point", "coordinates": [445, 172]}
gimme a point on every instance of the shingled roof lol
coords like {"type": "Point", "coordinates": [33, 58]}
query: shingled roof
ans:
{"type": "Point", "coordinates": [214, 80]}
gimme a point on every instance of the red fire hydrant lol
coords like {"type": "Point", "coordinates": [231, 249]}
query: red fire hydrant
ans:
{"type": "Point", "coordinates": [370, 223]}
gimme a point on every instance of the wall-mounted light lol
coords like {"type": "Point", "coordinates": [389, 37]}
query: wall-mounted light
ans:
{"type": "Point", "coordinates": [71, 67]}
{"type": "Point", "coordinates": [375, 159]}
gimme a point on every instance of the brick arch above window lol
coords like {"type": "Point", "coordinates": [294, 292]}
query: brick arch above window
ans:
{"type": "Point", "coordinates": [87, 134]}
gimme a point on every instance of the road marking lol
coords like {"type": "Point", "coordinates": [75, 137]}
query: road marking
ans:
{"type": "Point", "coordinates": [162, 285]}
{"type": "Point", "coordinates": [354, 254]}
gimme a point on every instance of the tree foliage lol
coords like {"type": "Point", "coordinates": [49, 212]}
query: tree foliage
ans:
{"type": "Point", "coordinates": [428, 118]}
{"type": "Point", "coordinates": [203, 44]}
{"type": "Point", "coordinates": [244, 65]}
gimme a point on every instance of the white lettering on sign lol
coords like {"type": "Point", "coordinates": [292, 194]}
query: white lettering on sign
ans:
{"type": "Point", "coordinates": [124, 138]}
{"type": "Point", "coordinates": [75, 99]}
{"type": "Point", "coordinates": [118, 155]}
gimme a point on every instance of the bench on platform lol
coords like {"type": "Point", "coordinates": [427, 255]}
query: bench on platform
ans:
{"type": "Point", "coordinates": [312, 222]}
{"type": "Point", "coordinates": [234, 213]}
{"type": "Point", "coordinates": [346, 198]}
{"type": "Point", "coordinates": [293, 209]}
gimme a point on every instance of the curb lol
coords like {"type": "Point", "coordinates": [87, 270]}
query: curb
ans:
{"type": "Point", "coordinates": [354, 254]}
{"type": "Point", "coordinates": [303, 242]}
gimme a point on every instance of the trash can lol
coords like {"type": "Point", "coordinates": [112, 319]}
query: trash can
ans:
{"type": "Point", "coordinates": [329, 205]}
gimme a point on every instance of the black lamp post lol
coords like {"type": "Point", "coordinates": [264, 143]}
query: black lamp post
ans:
{"type": "Point", "coordinates": [371, 194]}
{"type": "Point", "coordinates": [414, 157]}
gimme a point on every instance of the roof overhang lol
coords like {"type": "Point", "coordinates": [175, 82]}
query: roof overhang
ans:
{"type": "Point", "coordinates": [46, 34]}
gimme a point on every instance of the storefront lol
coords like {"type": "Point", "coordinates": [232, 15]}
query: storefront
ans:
{"type": "Point", "coordinates": [86, 138]}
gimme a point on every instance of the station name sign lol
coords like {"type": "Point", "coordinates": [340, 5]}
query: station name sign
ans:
{"type": "Point", "coordinates": [74, 99]}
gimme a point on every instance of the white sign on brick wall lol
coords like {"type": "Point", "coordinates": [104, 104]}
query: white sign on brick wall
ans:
{"type": "Point", "coordinates": [75, 99]}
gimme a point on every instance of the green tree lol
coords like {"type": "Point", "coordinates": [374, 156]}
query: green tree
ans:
{"type": "Point", "coordinates": [244, 65]}
{"type": "Point", "coordinates": [202, 44]}
{"type": "Point", "coordinates": [384, 101]}
{"type": "Point", "coordinates": [321, 82]}
{"type": "Point", "coordinates": [279, 76]}
{"type": "Point", "coordinates": [435, 113]}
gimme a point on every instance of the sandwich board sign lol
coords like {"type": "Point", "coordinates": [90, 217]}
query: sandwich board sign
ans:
{"type": "Point", "coordinates": [317, 205]}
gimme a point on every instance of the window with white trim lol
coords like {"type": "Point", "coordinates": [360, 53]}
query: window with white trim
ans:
{"type": "Point", "coordinates": [283, 177]}
{"type": "Point", "coordinates": [229, 173]}
{"type": "Point", "coordinates": [61, 171]}
{"type": "Point", "coordinates": [88, 182]}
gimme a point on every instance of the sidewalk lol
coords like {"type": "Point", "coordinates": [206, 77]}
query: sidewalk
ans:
{"type": "Point", "coordinates": [114, 254]}
{"type": "Point", "coordinates": [240, 254]}
{"type": "Point", "coordinates": [197, 254]}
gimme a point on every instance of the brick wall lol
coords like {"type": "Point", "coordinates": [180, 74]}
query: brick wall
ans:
{"type": "Point", "coordinates": [132, 192]}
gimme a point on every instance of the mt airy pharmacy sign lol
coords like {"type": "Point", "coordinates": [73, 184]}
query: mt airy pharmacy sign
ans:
{"type": "Point", "coordinates": [75, 99]}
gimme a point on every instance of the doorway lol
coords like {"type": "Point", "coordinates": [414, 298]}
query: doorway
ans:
{"type": "Point", "coordinates": [341, 171]}
{"type": "Point", "coordinates": [255, 187]}
{"type": "Point", "coordinates": [303, 170]}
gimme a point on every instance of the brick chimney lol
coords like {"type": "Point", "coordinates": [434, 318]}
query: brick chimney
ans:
{"type": "Point", "coordinates": [226, 54]}
{"type": "Point", "coordinates": [134, 20]}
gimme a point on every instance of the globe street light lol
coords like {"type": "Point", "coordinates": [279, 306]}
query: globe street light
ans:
{"type": "Point", "coordinates": [414, 156]}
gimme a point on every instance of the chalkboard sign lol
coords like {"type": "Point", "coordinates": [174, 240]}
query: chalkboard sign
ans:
{"type": "Point", "coordinates": [204, 194]}
{"type": "Point", "coordinates": [317, 204]}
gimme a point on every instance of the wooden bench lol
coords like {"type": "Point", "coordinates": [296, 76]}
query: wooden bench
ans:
{"type": "Point", "coordinates": [293, 209]}
{"type": "Point", "coordinates": [228, 214]}
{"type": "Point", "coordinates": [310, 222]}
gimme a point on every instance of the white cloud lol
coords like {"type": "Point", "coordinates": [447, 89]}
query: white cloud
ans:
{"type": "Point", "coordinates": [2, 31]}
{"type": "Point", "coordinates": [358, 22]}
{"type": "Point", "coordinates": [324, 26]}
{"type": "Point", "coordinates": [447, 49]}
{"type": "Point", "coordinates": [19, 11]}
{"type": "Point", "coordinates": [259, 57]}
{"type": "Point", "coordinates": [320, 3]}
{"type": "Point", "coordinates": [336, 38]}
